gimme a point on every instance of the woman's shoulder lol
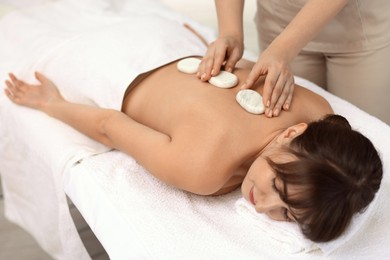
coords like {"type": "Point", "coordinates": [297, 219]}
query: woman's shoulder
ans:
{"type": "Point", "coordinates": [310, 103]}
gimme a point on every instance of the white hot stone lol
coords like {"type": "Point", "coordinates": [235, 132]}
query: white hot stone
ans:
{"type": "Point", "coordinates": [188, 65]}
{"type": "Point", "coordinates": [224, 80]}
{"type": "Point", "coordinates": [251, 101]}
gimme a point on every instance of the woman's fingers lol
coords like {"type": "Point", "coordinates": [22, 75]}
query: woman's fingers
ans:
{"type": "Point", "coordinates": [12, 77]}
{"type": "Point", "coordinates": [15, 81]}
{"type": "Point", "coordinates": [9, 85]}
{"type": "Point", "coordinates": [13, 91]}
{"type": "Point", "coordinates": [18, 91]}
{"type": "Point", "coordinates": [14, 85]}
{"type": "Point", "coordinates": [41, 78]}
{"type": "Point", "coordinates": [33, 96]}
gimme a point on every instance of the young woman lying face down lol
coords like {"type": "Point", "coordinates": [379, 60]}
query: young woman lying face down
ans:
{"type": "Point", "coordinates": [306, 165]}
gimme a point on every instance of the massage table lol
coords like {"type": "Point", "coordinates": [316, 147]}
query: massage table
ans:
{"type": "Point", "coordinates": [136, 216]}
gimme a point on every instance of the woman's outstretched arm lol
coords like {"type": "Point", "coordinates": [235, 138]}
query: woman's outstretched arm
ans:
{"type": "Point", "coordinates": [46, 98]}
{"type": "Point", "coordinates": [156, 151]}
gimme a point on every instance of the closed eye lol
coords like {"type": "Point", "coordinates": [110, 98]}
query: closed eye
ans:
{"type": "Point", "coordinates": [274, 185]}
{"type": "Point", "coordinates": [286, 212]}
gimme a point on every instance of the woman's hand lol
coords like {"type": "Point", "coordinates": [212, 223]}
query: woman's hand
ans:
{"type": "Point", "coordinates": [33, 96]}
{"type": "Point", "coordinates": [279, 82]}
{"type": "Point", "coordinates": [225, 51]}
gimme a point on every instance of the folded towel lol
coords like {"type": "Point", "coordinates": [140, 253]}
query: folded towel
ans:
{"type": "Point", "coordinates": [285, 234]}
{"type": "Point", "coordinates": [289, 236]}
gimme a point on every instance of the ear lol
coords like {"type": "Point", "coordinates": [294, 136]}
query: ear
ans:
{"type": "Point", "coordinates": [291, 132]}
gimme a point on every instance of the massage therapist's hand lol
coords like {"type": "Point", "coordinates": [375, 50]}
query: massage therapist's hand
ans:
{"type": "Point", "coordinates": [279, 81]}
{"type": "Point", "coordinates": [33, 96]}
{"type": "Point", "coordinates": [225, 51]}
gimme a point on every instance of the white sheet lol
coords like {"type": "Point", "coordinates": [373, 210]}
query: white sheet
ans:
{"type": "Point", "coordinates": [38, 158]}
{"type": "Point", "coordinates": [138, 213]}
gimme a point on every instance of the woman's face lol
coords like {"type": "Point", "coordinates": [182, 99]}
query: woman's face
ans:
{"type": "Point", "coordinates": [261, 187]}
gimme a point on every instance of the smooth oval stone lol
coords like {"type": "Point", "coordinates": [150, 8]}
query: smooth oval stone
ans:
{"type": "Point", "coordinates": [188, 65]}
{"type": "Point", "coordinates": [251, 101]}
{"type": "Point", "coordinates": [224, 79]}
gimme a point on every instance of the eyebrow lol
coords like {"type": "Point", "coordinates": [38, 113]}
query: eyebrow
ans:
{"type": "Point", "coordinates": [274, 179]}
{"type": "Point", "coordinates": [289, 214]}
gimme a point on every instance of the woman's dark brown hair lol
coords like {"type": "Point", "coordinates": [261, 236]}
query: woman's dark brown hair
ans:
{"type": "Point", "coordinates": [338, 171]}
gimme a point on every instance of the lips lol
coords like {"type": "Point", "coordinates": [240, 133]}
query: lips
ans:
{"type": "Point", "coordinates": [251, 198]}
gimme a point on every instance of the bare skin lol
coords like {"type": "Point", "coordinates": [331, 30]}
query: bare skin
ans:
{"type": "Point", "coordinates": [187, 133]}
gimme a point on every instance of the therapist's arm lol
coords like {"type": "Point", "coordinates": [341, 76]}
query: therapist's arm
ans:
{"type": "Point", "coordinates": [229, 45]}
{"type": "Point", "coordinates": [309, 21]}
{"type": "Point", "coordinates": [275, 60]}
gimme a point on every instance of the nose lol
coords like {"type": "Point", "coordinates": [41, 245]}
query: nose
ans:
{"type": "Point", "coordinates": [268, 203]}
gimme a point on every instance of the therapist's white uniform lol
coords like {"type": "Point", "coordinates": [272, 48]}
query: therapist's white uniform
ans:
{"type": "Point", "coordinates": [350, 56]}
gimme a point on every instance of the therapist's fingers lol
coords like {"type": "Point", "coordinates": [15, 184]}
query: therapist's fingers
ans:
{"type": "Point", "coordinates": [205, 68]}
{"type": "Point", "coordinates": [282, 97]}
{"type": "Point", "coordinates": [206, 64]}
{"type": "Point", "coordinates": [212, 61]}
{"type": "Point", "coordinates": [256, 72]}
{"type": "Point", "coordinates": [288, 101]}
{"type": "Point", "coordinates": [225, 51]}
{"type": "Point", "coordinates": [270, 81]}
{"type": "Point", "coordinates": [234, 57]}
{"type": "Point", "coordinates": [219, 59]}
{"type": "Point", "coordinates": [277, 99]}
{"type": "Point", "coordinates": [281, 87]}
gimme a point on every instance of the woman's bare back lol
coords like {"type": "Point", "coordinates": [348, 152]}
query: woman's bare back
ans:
{"type": "Point", "coordinates": [219, 133]}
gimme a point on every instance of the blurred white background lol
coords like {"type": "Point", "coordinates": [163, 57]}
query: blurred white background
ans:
{"type": "Point", "coordinates": [201, 10]}
{"type": "Point", "coordinates": [204, 12]}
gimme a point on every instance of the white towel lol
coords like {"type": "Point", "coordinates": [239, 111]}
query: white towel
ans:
{"type": "Point", "coordinates": [287, 235]}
